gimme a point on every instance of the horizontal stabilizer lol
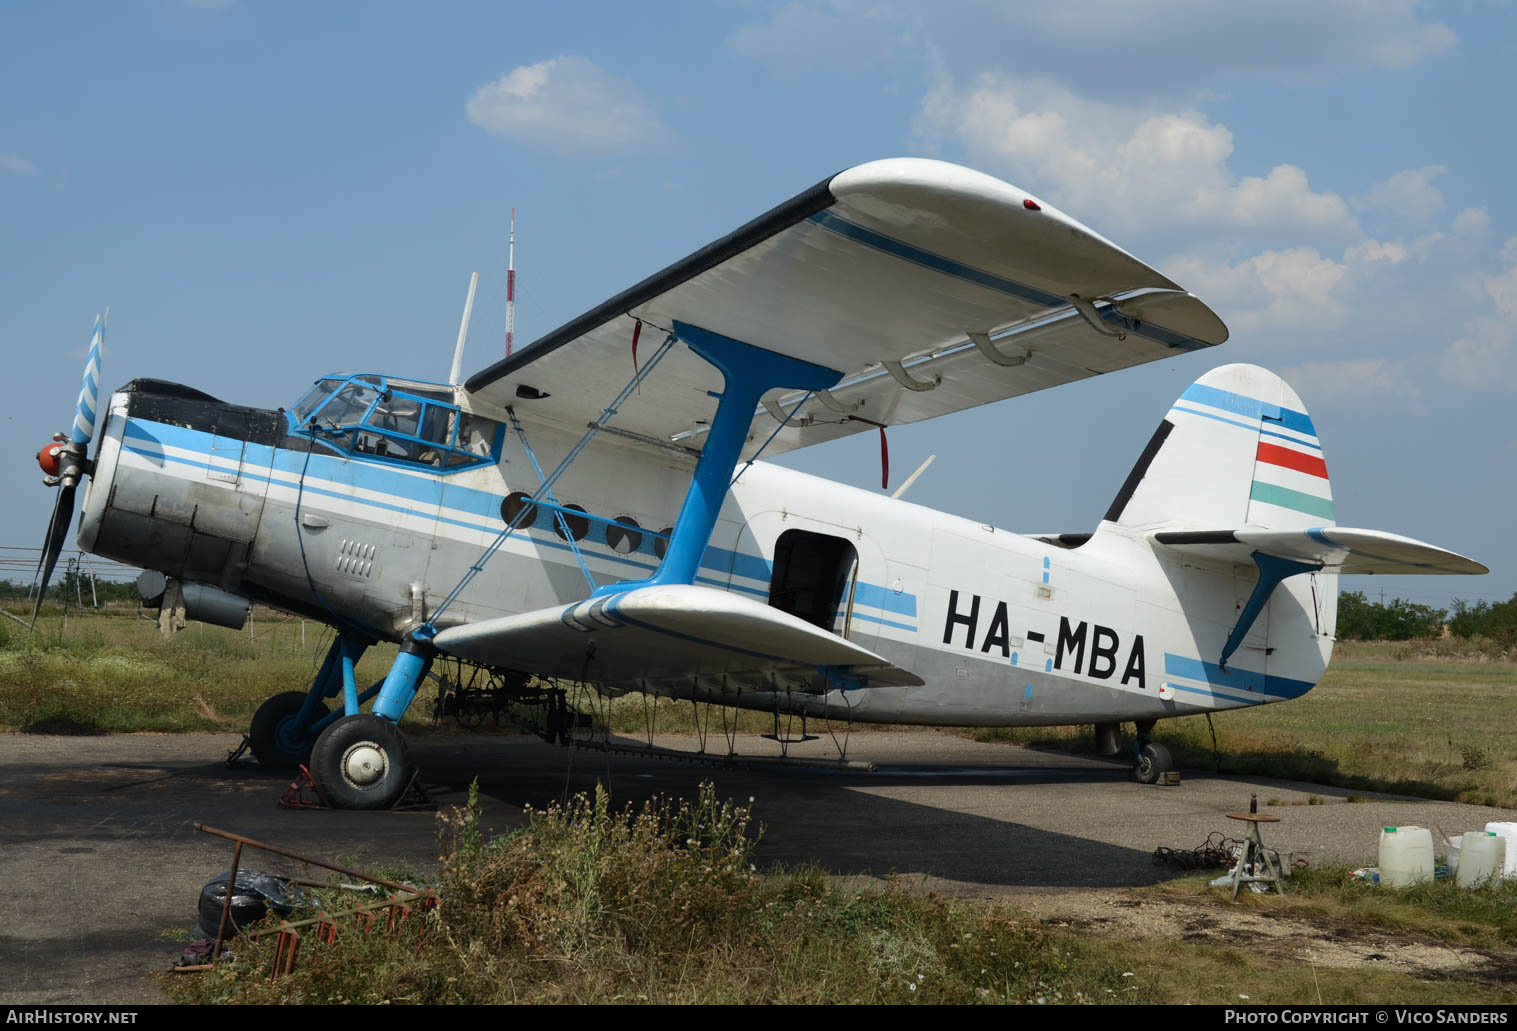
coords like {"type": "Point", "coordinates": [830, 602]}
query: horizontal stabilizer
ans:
{"type": "Point", "coordinates": [1337, 549]}
{"type": "Point", "coordinates": [667, 635]}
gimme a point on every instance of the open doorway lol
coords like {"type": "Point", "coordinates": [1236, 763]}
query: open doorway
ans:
{"type": "Point", "coordinates": [813, 578]}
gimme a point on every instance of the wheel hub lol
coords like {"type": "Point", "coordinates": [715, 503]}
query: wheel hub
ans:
{"type": "Point", "coordinates": [289, 736]}
{"type": "Point", "coordinates": [364, 764]}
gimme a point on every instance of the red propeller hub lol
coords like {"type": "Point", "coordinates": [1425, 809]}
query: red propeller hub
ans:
{"type": "Point", "coordinates": [48, 458]}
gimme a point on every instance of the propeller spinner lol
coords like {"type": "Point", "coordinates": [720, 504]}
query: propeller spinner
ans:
{"type": "Point", "coordinates": [65, 462]}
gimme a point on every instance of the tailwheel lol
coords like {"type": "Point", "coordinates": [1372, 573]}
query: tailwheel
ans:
{"type": "Point", "coordinates": [276, 737]}
{"type": "Point", "coordinates": [361, 762]}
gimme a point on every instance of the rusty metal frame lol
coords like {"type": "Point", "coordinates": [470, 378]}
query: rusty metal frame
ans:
{"type": "Point", "coordinates": [288, 946]}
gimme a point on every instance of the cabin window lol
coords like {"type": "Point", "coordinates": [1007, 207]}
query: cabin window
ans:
{"type": "Point", "coordinates": [568, 519]}
{"type": "Point", "coordinates": [623, 535]}
{"type": "Point", "coordinates": [812, 574]}
{"type": "Point", "coordinates": [511, 507]}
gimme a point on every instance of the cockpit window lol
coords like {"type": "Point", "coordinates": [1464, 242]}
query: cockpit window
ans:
{"type": "Point", "coordinates": [320, 392]}
{"type": "Point", "coordinates": [395, 421]}
{"type": "Point", "coordinates": [349, 406]}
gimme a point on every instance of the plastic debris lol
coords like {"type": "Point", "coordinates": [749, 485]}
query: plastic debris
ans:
{"type": "Point", "coordinates": [252, 898]}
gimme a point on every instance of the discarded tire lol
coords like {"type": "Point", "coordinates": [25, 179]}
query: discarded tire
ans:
{"type": "Point", "coordinates": [252, 899]}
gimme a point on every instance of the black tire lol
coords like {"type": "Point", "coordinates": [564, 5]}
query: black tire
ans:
{"type": "Point", "coordinates": [274, 749]}
{"type": "Point", "coordinates": [1153, 762]}
{"type": "Point", "coordinates": [361, 762]}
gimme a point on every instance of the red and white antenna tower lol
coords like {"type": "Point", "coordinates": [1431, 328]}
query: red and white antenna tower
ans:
{"type": "Point", "coordinates": [511, 286]}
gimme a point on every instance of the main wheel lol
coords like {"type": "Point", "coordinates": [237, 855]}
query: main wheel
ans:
{"type": "Point", "coordinates": [361, 762]}
{"type": "Point", "coordinates": [1153, 762]}
{"type": "Point", "coordinates": [275, 742]}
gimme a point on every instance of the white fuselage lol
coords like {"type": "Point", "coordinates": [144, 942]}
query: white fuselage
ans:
{"type": "Point", "coordinates": [1005, 629]}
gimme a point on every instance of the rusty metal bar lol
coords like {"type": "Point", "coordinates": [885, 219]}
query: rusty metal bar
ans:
{"type": "Point", "coordinates": [367, 907]}
{"type": "Point", "coordinates": [226, 905]}
{"type": "Point", "coordinates": [276, 850]}
{"type": "Point", "coordinates": [286, 948]}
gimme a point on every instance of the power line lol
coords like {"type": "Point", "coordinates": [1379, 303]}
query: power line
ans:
{"type": "Point", "coordinates": [19, 564]}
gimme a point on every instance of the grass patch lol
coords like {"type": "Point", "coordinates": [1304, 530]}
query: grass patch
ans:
{"type": "Point", "coordinates": [1484, 917]}
{"type": "Point", "coordinates": [662, 904]}
{"type": "Point", "coordinates": [1431, 720]}
{"type": "Point", "coordinates": [1211, 975]}
{"type": "Point", "coordinates": [111, 671]}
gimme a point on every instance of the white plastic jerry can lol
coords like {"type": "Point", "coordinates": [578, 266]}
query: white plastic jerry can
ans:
{"type": "Point", "coordinates": [1508, 832]}
{"type": "Point", "coordinates": [1481, 856]}
{"type": "Point", "coordinates": [1406, 856]}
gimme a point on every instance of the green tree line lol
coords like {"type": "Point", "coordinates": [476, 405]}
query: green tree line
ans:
{"type": "Point", "coordinates": [1360, 619]}
{"type": "Point", "coordinates": [69, 584]}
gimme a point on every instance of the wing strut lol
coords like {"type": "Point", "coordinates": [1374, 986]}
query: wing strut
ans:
{"type": "Point", "coordinates": [747, 373]}
{"type": "Point", "coordinates": [546, 490]}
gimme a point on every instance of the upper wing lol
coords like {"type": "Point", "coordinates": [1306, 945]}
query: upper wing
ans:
{"type": "Point", "coordinates": [897, 274]}
{"type": "Point", "coordinates": [650, 636]}
{"type": "Point", "coordinates": [1338, 549]}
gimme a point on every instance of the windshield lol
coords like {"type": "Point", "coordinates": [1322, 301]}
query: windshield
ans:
{"type": "Point", "coordinates": [314, 397]}
{"type": "Point", "coordinates": [348, 406]}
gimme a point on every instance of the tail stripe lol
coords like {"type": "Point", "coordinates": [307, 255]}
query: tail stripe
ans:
{"type": "Point", "coordinates": [1273, 454]}
{"type": "Point", "coordinates": [1249, 407]}
{"type": "Point", "coordinates": [1294, 440]}
{"type": "Point", "coordinates": [1284, 497]}
{"type": "Point", "coordinates": [1209, 415]}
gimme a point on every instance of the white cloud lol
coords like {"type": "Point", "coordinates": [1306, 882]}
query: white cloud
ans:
{"type": "Point", "coordinates": [1271, 290]}
{"type": "Point", "coordinates": [1503, 286]}
{"type": "Point", "coordinates": [18, 165]}
{"type": "Point", "coordinates": [842, 35]}
{"type": "Point", "coordinates": [1127, 170]}
{"type": "Point", "coordinates": [1410, 194]}
{"type": "Point", "coordinates": [570, 106]}
{"type": "Point", "coordinates": [1472, 220]}
{"type": "Point", "coordinates": [1364, 381]}
{"type": "Point", "coordinates": [1485, 355]}
{"type": "Point", "coordinates": [1113, 48]}
{"type": "Point", "coordinates": [1368, 251]}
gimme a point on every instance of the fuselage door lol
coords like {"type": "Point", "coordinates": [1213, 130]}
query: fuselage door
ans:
{"type": "Point", "coordinates": [815, 578]}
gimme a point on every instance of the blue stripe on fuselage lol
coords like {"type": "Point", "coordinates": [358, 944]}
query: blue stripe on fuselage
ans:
{"type": "Point", "coordinates": [429, 491]}
{"type": "Point", "coordinates": [1237, 679]}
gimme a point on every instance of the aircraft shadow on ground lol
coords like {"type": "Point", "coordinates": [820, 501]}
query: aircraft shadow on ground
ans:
{"type": "Point", "coordinates": [823, 818]}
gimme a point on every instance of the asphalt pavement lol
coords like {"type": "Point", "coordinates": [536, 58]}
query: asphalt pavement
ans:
{"type": "Point", "coordinates": [101, 867]}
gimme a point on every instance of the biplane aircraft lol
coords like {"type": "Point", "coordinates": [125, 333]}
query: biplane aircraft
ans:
{"type": "Point", "coordinates": [582, 511]}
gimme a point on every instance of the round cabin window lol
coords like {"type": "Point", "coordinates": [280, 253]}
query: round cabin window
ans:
{"type": "Point", "coordinates": [512, 506]}
{"type": "Point", "coordinates": [578, 525]}
{"type": "Point", "coordinates": [623, 535]}
{"type": "Point", "coordinates": [661, 544]}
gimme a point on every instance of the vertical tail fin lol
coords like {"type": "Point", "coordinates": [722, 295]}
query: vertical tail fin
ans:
{"type": "Point", "coordinates": [1237, 449]}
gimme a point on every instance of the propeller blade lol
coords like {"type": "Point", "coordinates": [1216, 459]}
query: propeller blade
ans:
{"type": "Point", "coordinates": [81, 434]}
{"type": "Point", "coordinates": [52, 546]}
{"type": "Point", "coordinates": [89, 391]}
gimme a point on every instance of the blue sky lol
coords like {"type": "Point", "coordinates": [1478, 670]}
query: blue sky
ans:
{"type": "Point", "coordinates": [263, 192]}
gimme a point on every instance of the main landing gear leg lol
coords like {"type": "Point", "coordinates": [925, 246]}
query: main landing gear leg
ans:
{"type": "Point", "coordinates": [1152, 760]}
{"type": "Point", "coordinates": [286, 726]}
{"type": "Point", "coordinates": [361, 760]}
